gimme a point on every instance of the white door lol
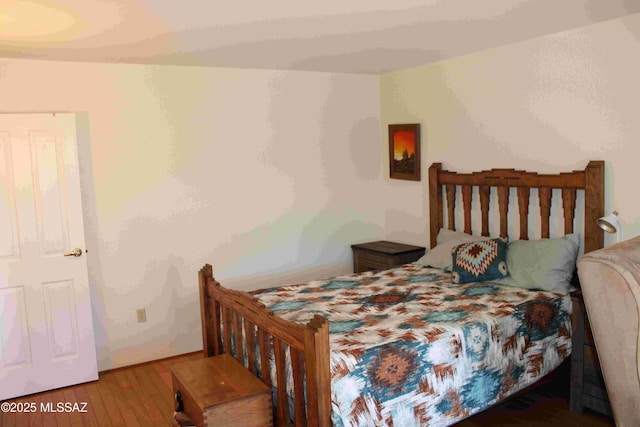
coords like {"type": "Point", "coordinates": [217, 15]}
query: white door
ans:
{"type": "Point", "coordinates": [46, 330]}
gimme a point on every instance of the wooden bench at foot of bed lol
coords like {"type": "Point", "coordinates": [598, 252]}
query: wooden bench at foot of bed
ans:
{"type": "Point", "coordinates": [229, 314]}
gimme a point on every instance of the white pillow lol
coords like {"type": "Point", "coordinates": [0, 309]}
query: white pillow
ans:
{"type": "Point", "coordinates": [440, 256]}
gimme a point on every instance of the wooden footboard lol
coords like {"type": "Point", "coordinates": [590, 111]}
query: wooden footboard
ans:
{"type": "Point", "coordinates": [237, 323]}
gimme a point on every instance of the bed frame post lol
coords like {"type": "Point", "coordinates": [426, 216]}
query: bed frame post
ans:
{"type": "Point", "coordinates": [209, 343]}
{"type": "Point", "coordinates": [593, 205]}
{"type": "Point", "coordinates": [317, 361]}
{"type": "Point", "coordinates": [435, 203]}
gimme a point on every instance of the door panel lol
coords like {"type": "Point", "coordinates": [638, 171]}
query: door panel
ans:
{"type": "Point", "coordinates": [15, 350]}
{"type": "Point", "coordinates": [48, 176]}
{"type": "Point", "coordinates": [46, 329]}
{"type": "Point", "coordinates": [8, 229]}
{"type": "Point", "coordinates": [61, 318]}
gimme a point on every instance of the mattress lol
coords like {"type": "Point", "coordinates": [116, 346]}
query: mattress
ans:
{"type": "Point", "coordinates": [409, 348]}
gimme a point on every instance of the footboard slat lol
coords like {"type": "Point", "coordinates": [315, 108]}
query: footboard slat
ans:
{"type": "Point", "coordinates": [281, 380]}
{"type": "Point", "coordinates": [238, 334]}
{"type": "Point", "coordinates": [297, 367]}
{"type": "Point", "coordinates": [226, 325]}
{"type": "Point", "coordinates": [232, 321]}
{"type": "Point", "coordinates": [265, 351]}
{"type": "Point", "coordinates": [250, 333]}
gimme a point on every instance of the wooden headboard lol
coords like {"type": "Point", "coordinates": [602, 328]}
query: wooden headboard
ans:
{"type": "Point", "coordinates": [590, 180]}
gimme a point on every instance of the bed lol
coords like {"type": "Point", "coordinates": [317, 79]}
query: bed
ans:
{"type": "Point", "coordinates": [406, 346]}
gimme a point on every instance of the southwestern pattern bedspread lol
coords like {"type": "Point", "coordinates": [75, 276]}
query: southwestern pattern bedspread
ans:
{"type": "Point", "coordinates": [409, 348]}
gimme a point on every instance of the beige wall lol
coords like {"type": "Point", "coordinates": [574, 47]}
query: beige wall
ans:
{"type": "Point", "coordinates": [261, 173]}
{"type": "Point", "coordinates": [548, 104]}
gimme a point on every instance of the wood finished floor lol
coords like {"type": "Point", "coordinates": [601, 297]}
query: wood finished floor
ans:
{"type": "Point", "coordinates": [545, 406]}
{"type": "Point", "coordinates": [141, 396]}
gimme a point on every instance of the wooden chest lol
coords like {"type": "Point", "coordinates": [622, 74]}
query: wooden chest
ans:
{"type": "Point", "coordinates": [219, 391]}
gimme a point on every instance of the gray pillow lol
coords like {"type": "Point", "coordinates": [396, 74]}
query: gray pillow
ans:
{"type": "Point", "coordinates": [440, 256]}
{"type": "Point", "coordinates": [546, 264]}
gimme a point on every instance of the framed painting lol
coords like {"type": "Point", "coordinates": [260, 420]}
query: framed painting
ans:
{"type": "Point", "coordinates": [404, 151]}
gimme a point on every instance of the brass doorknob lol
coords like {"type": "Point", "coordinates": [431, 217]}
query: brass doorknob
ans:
{"type": "Point", "coordinates": [76, 252]}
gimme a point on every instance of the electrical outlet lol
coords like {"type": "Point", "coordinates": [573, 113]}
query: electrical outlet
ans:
{"type": "Point", "coordinates": [142, 315]}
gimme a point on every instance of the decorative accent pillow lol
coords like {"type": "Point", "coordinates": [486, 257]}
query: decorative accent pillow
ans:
{"type": "Point", "coordinates": [546, 264]}
{"type": "Point", "coordinates": [479, 261]}
{"type": "Point", "coordinates": [440, 256]}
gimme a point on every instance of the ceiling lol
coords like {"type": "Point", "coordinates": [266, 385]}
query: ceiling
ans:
{"type": "Point", "coordinates": [354, 36]}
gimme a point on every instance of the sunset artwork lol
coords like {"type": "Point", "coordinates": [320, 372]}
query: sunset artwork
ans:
{"type": "Point", "coordinates": [404, 144]}
{"type": "Point", "coordinates": [404, 151]}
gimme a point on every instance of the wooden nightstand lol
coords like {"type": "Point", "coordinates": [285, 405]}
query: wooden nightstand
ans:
{"type": "Point", "coordinates": [219, 391]}
{"type": "Point", "coordinates": [382, 255]}
{"type": "Point", "coordinates": [587, 385]}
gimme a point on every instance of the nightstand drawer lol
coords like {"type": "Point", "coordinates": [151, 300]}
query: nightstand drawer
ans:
{"type": "Point", "coordinates": [597, 392]}
{"type": "Point", "coordinates": [592, 370]}
{"type": "Point", "coordinates": [587, 384]}
{"type": "Point", "coordinates": [591, 359]}
{"type": "Point", "coordinates": [588, 335]}
{"type": "Point", "coordinates": [370, 261]}
{"type": "Point", "coordinates": [382, 255]}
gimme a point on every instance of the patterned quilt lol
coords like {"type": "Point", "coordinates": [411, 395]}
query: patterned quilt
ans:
{"type": "Point", "coordinates": [408, 348]}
